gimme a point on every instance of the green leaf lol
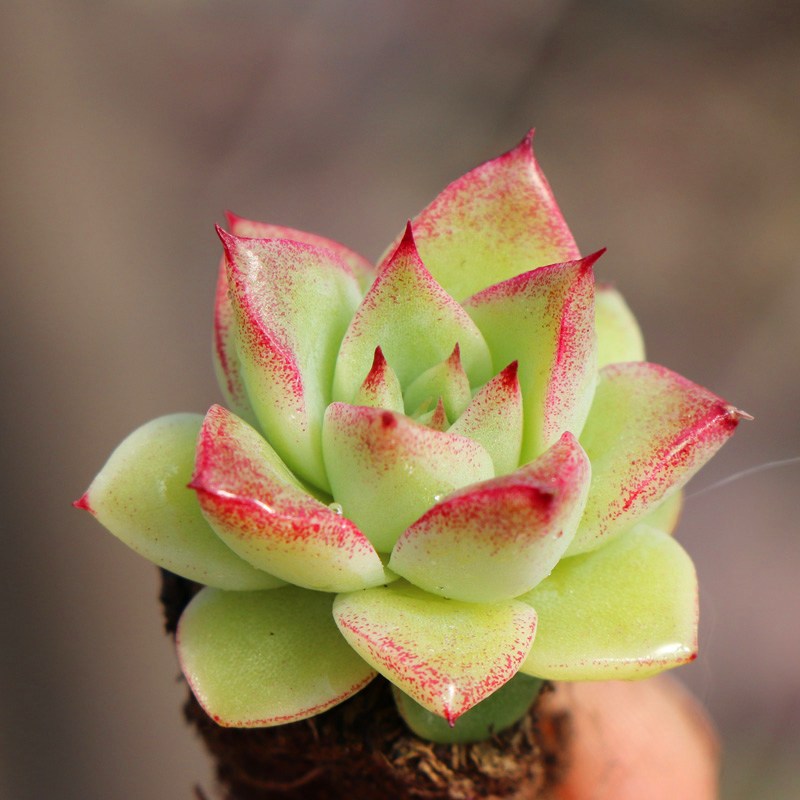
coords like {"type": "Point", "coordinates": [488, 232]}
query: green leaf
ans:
{"type": "Point", "coordinates": [446, 381]}
{"type": "Point", "coordinates": [380, 389]}
{"type": "Point", "coordinates": [415, 323]}
{"type": "Point", "coordinates": [619, 337]}
{"type": "Point", "coordinates": [500, 710]}
{"type": "Point", "coordinates": [544, 319]}
{"type": "Point", "coordinates": [362, 269]}
{"type": "Point", "coordinates": [627, 610]}
{"type": "Point", "coordinates": [256, 659]}
{"type": "Point", "coordinates": [494, 419]}
{"type": "Point", "coordinates": [387, 470]}
{"type": "Point", "coordinates": [141, 496]}
{"type": "Point", "coordinates": [259, 510]}
{"type": "Point", "coordinates": [445, 654]}
{"type": "Point", "coordinates": [495, 222]}
{"type": "Point", "coordinates": [648, 433]}
{"type": "Point", "coordinates": [497, 539]}
{"type": "Point", "coordinates": [293, 303]}
{"type": "Point", "coordinates": [227, 367]}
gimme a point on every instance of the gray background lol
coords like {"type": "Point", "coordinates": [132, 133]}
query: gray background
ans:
{"type": "Point", "coordinates": [669, 130]}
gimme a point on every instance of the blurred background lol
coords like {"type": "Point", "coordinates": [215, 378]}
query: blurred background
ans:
{"type": "Point", "coordinates": [669, 130]}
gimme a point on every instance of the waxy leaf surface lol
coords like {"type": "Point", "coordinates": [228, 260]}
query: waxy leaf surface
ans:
{"type": "Point", "coordinates": [415, 323]}
{"type": "Point", "coordinates": [260, 511]}
{"type": "Point", "coordinates": [141, 496]}
{"type": "Point", "coordinates": [500, 710]}
{"type": "Point", "coordinates": [256, 659]}
{"type": "Point", "coordinates": [226, 358]}
{"type": "Point", "coordinates": [293, 303]}
{"type": "Point", "coordinates": [249, 228]}
{"type": "Point", "coordinates": [380, 389]}
{"type": "Point", "coordinates": [387, 470]}
{"type": "Point", "coordinates": [619, 337]}
{"type": "Point", "coordinates": [227, 366]}
{"type": "Point", "coordinates": [498, 539]}
{"type": "Point", "coordinates": [544, 319]}
{"type": "Point", "coordinates": [445, 654]}
{"type": "Point", "coordinates": [446, 380]}
{"type": "Point", "coordinates": [649, 431]}
{"type": "Point", "coordinates": [627, 610]}
{"type": "Point", "coordinates": [494, 418]}
{"type": "Point", "coordinates": [495, 222]}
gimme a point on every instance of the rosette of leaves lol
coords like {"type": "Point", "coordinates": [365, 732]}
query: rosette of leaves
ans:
{"type": "Point", "coordinates": [454, 469]}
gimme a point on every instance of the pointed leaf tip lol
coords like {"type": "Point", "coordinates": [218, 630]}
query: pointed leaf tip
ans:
{"type": "Point", "coordinates": [83, 503]}
{"type": "Point", "coordinates": [408, 237]}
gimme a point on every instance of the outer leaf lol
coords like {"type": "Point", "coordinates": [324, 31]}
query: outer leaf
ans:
{"type": "Point", "coordinates": [619, 337]}
{"type": "Point", "coordinates": [498, 539]}
{"type": "Point", "coordinates": [545, 320]}
{"type": "Point", "coordinates": [445, 654]}
{"type": "Point", "coordinates": [259, 510]}
{"type": "Point", "coordinates": [494, 419]}
{"type": "Point", "coordinates": [227, 367]}
{"type": "Point", "coordinates": [380, 389]}
{"type": "Point", "coordinates": [446, 380]}
{"type": "Point", "coordinates": [361, 267]}
{"type": "Point", "coordinates": [386, 470]}
{"type": "Point", "coordinates": [649, 431]}
{"type": "Point", "coordinates": [140, 495]}
{"type": "Point", "coordinates": [495, 222]}
{"type": "Point", "coordinates": [415, 322]}
{"type": "Point", "coordinates": [226, 357]}
{"type": "Point", "coordinates": [293, 303]}
{"type": "Point", "coordinates": [628, 610]}
{"type": "Point", "coordinates": [500, 710]}
{"type": "Point", "coordinates": [256, 659]}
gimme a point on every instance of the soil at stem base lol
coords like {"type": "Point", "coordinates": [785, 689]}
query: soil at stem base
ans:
{"type": "Point", "coordinates": [362, 750]}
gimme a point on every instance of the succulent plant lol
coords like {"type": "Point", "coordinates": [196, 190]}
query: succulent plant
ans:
{"type": "Point", "coordinates": [454, 469]}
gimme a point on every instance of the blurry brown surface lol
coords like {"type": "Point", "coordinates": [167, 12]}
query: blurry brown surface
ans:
{"type": "Point", "coordinates": [670, 133]}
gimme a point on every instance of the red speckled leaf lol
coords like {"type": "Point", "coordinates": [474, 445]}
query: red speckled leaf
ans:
{"type": "Point", "coordinates": [239, 226]}
{"type": "Point", "coordinates": [141, 496]}
{"type": "Point", "coordinates": [260, 511]}
{"type": "Point", "coordinates": [227, 367]}
{"type": "Point", "coordinates": [226, 358]}
{"type": "Point", "coordinates": [386, 470]}
{"type": "Point", "coordinates": [648, 432]}
{"type": "Point", "coordinates": [415, 323]}
{"type": "Point", "coordinates": [494, 419]}
{"type": "Point", "coordinates": [498, 539]}
{"type": "Point", "coordinates": [380, 389]}
{"type": "Point", "coordinates": [293, 303]}
{"type": "Point", "coordinates": [445, 654]}
{"type": "Point", "coordinates": [446, 381]}
{"type": "Point", "coordinates": [545, 320]}
{"type": "Point", "coordinates": [497, 221]}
